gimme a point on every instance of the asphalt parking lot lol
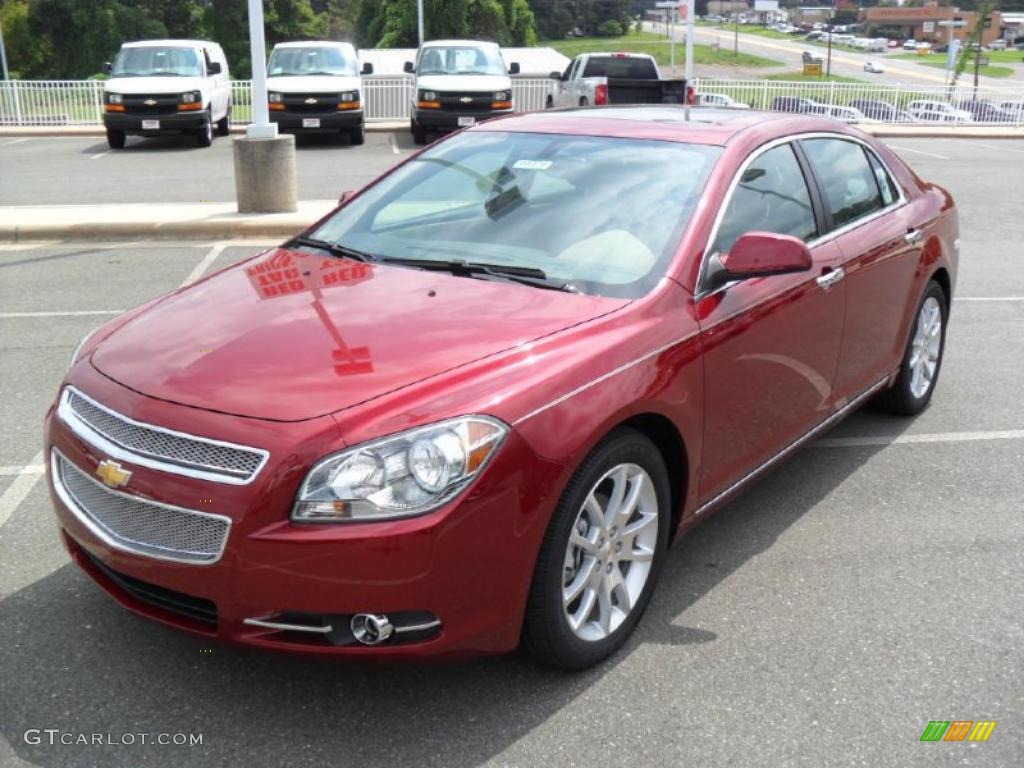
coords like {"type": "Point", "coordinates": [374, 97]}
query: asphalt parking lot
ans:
{"type": "Point", "coordinates": [868, 586]}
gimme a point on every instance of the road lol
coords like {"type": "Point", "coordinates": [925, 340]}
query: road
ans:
{"type": "Point", "coordinates": [870, 585]}
{"type": "Point", "coordinates": [844, 62]}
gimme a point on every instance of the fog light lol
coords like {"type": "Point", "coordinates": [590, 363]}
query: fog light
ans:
{"type": "Point", "coordinates": [371, 629]}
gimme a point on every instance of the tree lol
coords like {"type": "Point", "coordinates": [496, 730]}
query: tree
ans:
{"type": "Point", "coordinates": [27, 55]}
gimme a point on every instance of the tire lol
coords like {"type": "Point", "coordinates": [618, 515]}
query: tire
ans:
{"type": "Point", "coordinates": [204, 136]}
{"type": "Point", "coordinates": [623, 459]}
{"type": "Point", "coordinates": [549, 103]}
{"type": "Point", "coordinates": [115, 138]}
{"type": "Point", "coordinates": [583, 101]}
{"type": "Point", "coordinates": [357, 136]}
{"type": "Point", "coordinates": [913, 388]}
{"type": "Point", "coordinates": [224, 124]}
{"type": "Point", "coordinates": [419, 134]}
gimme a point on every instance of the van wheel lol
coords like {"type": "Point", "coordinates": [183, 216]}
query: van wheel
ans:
{"type": "Point", "coordinates": [550, 103]}
{"type": "Point", "coordinates": [224, 124]}
{"type": "Point", "coordinates": [583, 101]}
{"type": "Point", "coordinates": [115, 138]}
{"type": "Point", "coordinates": [419, 133]}
{"type": "Point", "coordinates": [357, 136]}
{"type": "Point", "coordinates": [204, 136]}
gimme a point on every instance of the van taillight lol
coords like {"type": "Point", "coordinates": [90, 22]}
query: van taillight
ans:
{"type": "Point", "coordinates": [601, 94]}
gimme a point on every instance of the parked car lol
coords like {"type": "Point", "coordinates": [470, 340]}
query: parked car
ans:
{"type": "Point", "coordinates": [837, 112]}
{"type": "Point", "coordinates": [937, 112]}
{"type": "Point", "coordinates": [315, 86]}
{"type": "Point", "coordinates": [720, 100]}
{"type": "Point", "coordinates": [458, 83]}
{"type": "Point", "coordinates": [986, 111]}
{"type": "Point", "coordinates": [462, 412]}
{"type": "Point", "coordinates": [909, 45]}
{"type": "Point", "coordinates": [893, 44]}
{"type": "Point", "coordinates": [796, 104]}
{"type": "Point", "coordinates": [1015, 108]}
{"type": "Point", "coordinates": [811, 56]}
{"type": "Point", "coordinates": [598, 79]}
{"type": "Point", "coordinates": [878, 45]}
{"type": "Point", "coordinates": [167, 86]}
{"type": "Point", "coordinates": [875, 67]}
{"type": "Point", "coordinates": [997, 45]}
{"type": "Point", "coordinates": [882, 111]}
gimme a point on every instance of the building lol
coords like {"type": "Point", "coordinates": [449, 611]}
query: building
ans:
{"type": "Point", "coordinates": [727, 7]}
{"type": "Point", "coordinates": [811, 14]}
{"type": "Point", "coordinates": [923, 23]}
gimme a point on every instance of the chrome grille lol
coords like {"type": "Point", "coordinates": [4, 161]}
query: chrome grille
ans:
{"type": "Point", "coordinates": [137, 525]}
{"type": "Point", "coordinates": [165, 449]}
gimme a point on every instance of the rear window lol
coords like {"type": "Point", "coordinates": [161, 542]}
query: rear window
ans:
{"type": "Point", "coordinates": [620, 66]}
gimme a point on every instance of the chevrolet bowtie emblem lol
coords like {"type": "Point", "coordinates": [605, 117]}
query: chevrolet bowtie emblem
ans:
{"type": "Point", "coordinates": [311, 100]}
{"type": "Point", "coordinates": [150, 102]}
{"type": "Point", "coordinates": [112, 474]}
{"type": "Point", "coordinates": [466, 99]}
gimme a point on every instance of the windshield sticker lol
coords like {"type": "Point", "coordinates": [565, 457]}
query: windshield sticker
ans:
{"type": "Point", "coordinates": [532, 165]}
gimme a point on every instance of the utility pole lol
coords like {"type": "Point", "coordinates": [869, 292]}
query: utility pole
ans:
{"type": "Point", "coordinates": [688, 6]}
{"type": "Point", "coordinates": [3, 54]}
{"type": "Point", "coordinates": [736, 35]}
{"type": "Point", "coordinates": [419, 20]}
{"type": "Point", "coordinates": [671, 44]}
{"type": "Point", "coordinates": [828, 66]}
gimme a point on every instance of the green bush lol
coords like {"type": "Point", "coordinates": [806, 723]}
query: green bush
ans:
{"type": "Point", "coordinates": [610, 28]}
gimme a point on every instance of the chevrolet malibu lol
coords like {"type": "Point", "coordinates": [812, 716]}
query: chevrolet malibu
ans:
{"type": "Point", "coordinates": [470, 409]}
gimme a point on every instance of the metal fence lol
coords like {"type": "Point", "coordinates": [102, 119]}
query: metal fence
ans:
{"type": "Point", "coordinates": [80, 102]}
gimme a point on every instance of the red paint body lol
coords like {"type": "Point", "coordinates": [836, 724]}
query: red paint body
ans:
{"type": "Point", "coordinates": [252, 355]}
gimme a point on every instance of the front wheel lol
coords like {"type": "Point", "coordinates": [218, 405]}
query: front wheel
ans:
{"type": "Point", "coordinates": [115, 138]}
{"type": "Point", "coordinates": [357, 136]}
{"type": "Point", "coordinates": [224, 124]}
{"type": "Point", "coordinates": [601, 555]}
{"type": "Point", "coordinates": [919, 370]}
{"type": "Point", "coordinates": [204, 136]}
{"type": "Point", "coordinates": [419, 133]}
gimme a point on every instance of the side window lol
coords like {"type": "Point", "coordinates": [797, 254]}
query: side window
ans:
{"type": "Point", "coordinates": [575, 66]}
{"type": "Point", "coordinates": [850, 187]}
{"type": "Point", "coordinates": [890, 194]}
{"type": "Point", "coordinates": [771, 196]}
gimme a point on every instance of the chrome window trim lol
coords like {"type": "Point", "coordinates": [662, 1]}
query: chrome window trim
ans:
{"type": "Point", "coordinates": [821, 239]}
{"type": "Point", "coordinates": [792, 446]}
{"type": "Point", "coordinates": [98, 530]}
{"type": "Point", "coordinates": [83, 430]}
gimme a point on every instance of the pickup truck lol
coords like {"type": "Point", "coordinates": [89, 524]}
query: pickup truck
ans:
{"type": "Point", "coordinates": [614, 78]}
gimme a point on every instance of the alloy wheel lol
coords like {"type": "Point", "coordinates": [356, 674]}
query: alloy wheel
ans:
{"type": "Point", "coordinates": [925, 348]}
{"type": "Point", "coordinates": [610, 552]}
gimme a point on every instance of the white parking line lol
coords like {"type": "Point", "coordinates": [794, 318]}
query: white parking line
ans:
{"type": "Point", "coordinates": [204, 265]}
{"type": "Point", "coordinates": [989, 298]}
{"type": "Point", "coordinates": [993, 146]}
{"type": "Point", "coordinates": [80, 313]}
{"type": "Point", "coordinates": [18, 490]}
{"type": "Point", "coordinates": [918, 151]}
{"type": "Point", "coordinates": [14, 141]}
{"type": "Point", "coordinates": [941, 437]}
{"type": "Point", "coordinates": [393, 143]}
{"type": "Point", "coordinates": [98, 155]}
{"type": "Point", "coordinates": [31, 469]}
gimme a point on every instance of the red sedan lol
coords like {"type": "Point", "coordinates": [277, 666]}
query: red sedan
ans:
{"type": "Point", "coordinates": [471, 408]}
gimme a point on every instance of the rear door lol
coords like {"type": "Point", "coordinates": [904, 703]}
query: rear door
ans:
{"type": "Point", "coordinates": [771, 344]}
{"type": "Point", "coordinates": [873, 223]}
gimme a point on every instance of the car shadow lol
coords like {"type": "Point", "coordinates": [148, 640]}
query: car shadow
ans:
{"type": "Point", "coordinates": [74, 661]}
{"type": "Point", "coordinates": [175, 142]}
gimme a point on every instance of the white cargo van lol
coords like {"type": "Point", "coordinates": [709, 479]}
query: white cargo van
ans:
{"type": "Point", "coordinates": [167, 86]}
{"type": "Point", "coordinates": [315, 86]}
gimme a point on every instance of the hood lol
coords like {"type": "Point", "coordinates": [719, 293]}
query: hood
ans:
{"type": "Point", "coordinates": [464, 83]}
{"type": "Point", "coordinates": [314, 83]}
{"type": "Point", "coordinates": [154, 84]}
{"type": "Point", "coordinates": [291, 335]}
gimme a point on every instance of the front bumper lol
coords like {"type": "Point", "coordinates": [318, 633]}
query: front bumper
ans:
{"type": "Point", "coordinates": [176, 122]}
{"type": "Point", "coordinates": [337, 119]}
{"type": "Point", "coordinates": [448, 120]}
{"type": "Point", "coordinates": [468, 564]}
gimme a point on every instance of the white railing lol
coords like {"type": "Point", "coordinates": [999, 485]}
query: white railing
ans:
{"type": "Point", "coordinates": [387, 98]}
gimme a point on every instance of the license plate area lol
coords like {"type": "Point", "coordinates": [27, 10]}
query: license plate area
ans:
{"type": "Point", "coordinates": [463, 121]}
{"type": "Point", "coordinates": [311, 122]}
{"type": "Point", "coordinates": [151, 125]}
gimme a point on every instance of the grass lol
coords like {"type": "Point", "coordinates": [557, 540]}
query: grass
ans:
{"type": "Point", "coordinates": [798, 76]}
{"type": "Point", "coordinates": [658, 47]}
{"type": "Point", "coordinates": [1011, 57]}
{"type": "Point", "coordinates": [938, 61]}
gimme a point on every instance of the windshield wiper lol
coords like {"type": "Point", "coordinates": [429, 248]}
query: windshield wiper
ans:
{"type": "Point", "coordinates": [525, 275]}
{"type": "Point", "coordinates": [335, 249]}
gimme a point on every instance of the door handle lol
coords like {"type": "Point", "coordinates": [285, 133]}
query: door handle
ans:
{"type": "Point", "coordinates": [830, 278]}
{"type": "Point", "coordinates": [913, 237]}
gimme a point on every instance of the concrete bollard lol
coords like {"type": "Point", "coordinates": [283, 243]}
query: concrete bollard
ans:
{"type": "Point", "coordinates": [265, 174]}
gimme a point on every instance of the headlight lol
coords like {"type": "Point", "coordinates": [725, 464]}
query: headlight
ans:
{"type": "Point", "coordinates": [428, 96]}
{"type": "Point", "coordinates": [115, 98]}
{"type": "Point", "coordinates": [191, 97]}
{"type": "Point", "coordinates": [78, 349]}
{"type": "Point", "coordinates": [348, 96]}
{"type": "Point", "coordinates": [274, 98]}
{"type": "Point", "coordinates": [502, 96]}
{"type": "Point", "coordinates": [399, 476]}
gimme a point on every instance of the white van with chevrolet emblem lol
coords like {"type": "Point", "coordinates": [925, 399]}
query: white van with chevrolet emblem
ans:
{"type": "Point", "coordinates": [458, 83]}
{"type": "Point", "coordinates": [315, 86]}
{"type": "Point", "coordinates": [167, 86]}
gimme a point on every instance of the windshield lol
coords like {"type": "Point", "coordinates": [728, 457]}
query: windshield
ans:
{"type": "Point", "coordinates": [603, 215]}
{"type": "Point", "coordinates": [158, 61]}
{"type": "Point", "coordinates": [461, 60]}
{"type": "Point", "coordinates": [314, 60]}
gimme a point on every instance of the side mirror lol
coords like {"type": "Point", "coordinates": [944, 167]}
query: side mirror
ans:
{"type": "Point", "coordinates": [757, 254]}
{"type": "Point", "coordinates": [409, 67]}
{"type": "Point", "coordinates": [214, 68]}
{"type": "Point", "coordinates": [367, 68]}
{"type": "Point", "coordinates": [347, 195]}
{"type": "Point", "coordinates": [108, 67]}
{"type": "Point", "coordinates": [513, 68]}
{"type": "Point", "coordinates": [555, 75]}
